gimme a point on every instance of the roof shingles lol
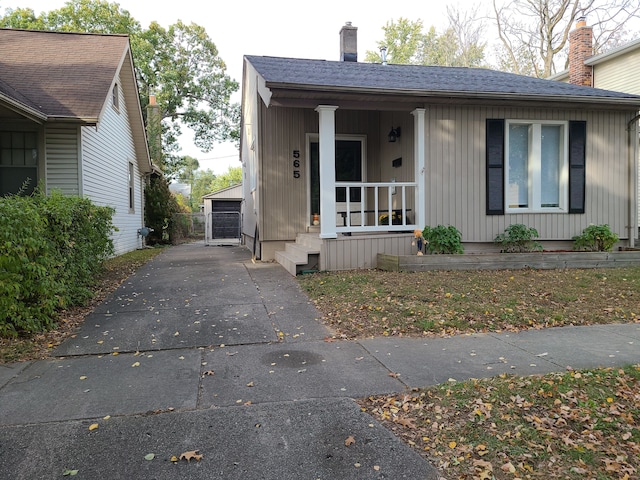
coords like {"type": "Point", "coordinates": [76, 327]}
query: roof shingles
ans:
{"type": "Point", "coordinates": [417, 78]}
{"type": "Point", "coordinates": [65, 75]}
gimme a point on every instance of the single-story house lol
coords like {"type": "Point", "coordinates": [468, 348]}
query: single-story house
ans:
{"type": "Point", "coordinates": [70, 120]}
{"type": "Point", "coordinates": [223, 215]}
{"type": "Point", "coordinates": [616, 69]}
{"type": "Point", "coordinates": [342, 160]}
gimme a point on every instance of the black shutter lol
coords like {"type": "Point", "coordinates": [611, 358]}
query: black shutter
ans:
{"type": "Point", "coordinates": [495, 166]}
{"type": "Point", "coordinates": [577, 169]}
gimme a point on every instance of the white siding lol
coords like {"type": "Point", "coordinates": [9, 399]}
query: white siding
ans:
{"type": "Point", "coordinates": [62, 168]}
{"type": "Point", "coordinates": [107, 151]}
{"type": "Point", "coordinates": [620, 73]}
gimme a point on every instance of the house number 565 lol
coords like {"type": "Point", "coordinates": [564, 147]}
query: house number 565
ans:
{"type": "Point", "coordinates": [296, 164]}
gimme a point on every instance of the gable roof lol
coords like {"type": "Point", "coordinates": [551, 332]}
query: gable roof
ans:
{"type": "Point", "coordinates": [60, 75]}
{"type": "Point", "coordinates": [69, 76]}
{"type": "Point", "coordinates": [423, 81]}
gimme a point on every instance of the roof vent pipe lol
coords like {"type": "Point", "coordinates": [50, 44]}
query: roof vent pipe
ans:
{"type": "Point", "coordinates": [383, 54]}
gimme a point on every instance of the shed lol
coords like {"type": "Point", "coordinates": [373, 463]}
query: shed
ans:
{"type": "Point", "coordinates": [223, 216]}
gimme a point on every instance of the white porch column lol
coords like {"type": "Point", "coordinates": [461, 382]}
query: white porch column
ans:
{"type": "Point", "coordinates": [419, 153]}
{"type": "Point", "coordinates": [327, 147]}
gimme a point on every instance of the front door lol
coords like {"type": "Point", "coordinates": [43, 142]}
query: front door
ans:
{"type": "Point", "coordinates": [349, 168]}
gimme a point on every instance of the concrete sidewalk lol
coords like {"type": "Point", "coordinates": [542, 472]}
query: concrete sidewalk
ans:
{"type": "Point", "coordinates": [204, 350]}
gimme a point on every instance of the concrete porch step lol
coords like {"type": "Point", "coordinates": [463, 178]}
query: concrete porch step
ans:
{"type": "Point", "coordinates": [300, 256]}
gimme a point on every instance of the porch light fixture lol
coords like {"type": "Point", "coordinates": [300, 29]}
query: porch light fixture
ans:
{"type": "Point", "coordinates": [394, 134]}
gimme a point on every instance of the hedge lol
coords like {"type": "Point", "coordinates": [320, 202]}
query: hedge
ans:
{"type": "Point", "coordinates": [52, 248]}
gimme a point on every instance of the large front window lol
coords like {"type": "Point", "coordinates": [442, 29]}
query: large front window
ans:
{"type": "Point", "coordinates": [537, 167]}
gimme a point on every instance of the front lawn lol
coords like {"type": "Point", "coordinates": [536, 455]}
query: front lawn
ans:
{"type": "Point", "coordinates": [569, 425]}
{"type": "Point", "coordinates": [367, 303]}
{"type": "Point", "coordinates": [572, 425]}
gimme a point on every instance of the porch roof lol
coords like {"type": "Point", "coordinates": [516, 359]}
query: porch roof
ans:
{"type": "Point", "coordinates": [424, 81]}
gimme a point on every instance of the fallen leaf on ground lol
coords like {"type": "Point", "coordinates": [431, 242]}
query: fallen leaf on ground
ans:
{"type": "Point", "coordinates": [68, 473]}
{"type": "Point", "coordinates": [149, 456]}
{"type": "Point", "coordinates": [191, 454]}
{"type": "Point", "coordinates": [93, 426]}
{"type": "Point", "coordinates": [406, 422]}
{"type": "Point", "coordinates": [349, 441]}
{"type": "Point", "coordinates": [394, 374]}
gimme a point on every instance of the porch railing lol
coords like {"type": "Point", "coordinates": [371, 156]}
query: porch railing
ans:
{"type": "Point", "coordinates": [375, 206]}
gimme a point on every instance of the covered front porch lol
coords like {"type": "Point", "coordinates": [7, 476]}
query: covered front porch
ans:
{"type": "Point", "coordinates": [350, 219]}
{"type": "Point", "coordinates": [359, 206]}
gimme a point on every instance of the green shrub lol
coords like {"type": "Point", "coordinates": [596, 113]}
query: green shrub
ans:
{"type": "Point", "coordinates": [160, 207]}
{"type": "Point", "coordinates": [595, 238]}
{"type": "Point", "coordinates": [441, 239]}
{"type": "Point", "coordinates": [80, 233]}
{"type": "Point", "coordinates": [518, 238]}
{"type": "Point", "coordinates": [28, 289]}
{"type": "Point", "coordinates": [52, 248]}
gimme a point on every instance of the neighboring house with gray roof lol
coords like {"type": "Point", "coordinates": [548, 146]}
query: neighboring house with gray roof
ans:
{"type": "Point", "coordinates": [70, 120]}
{"type": "Point", "coordinates": [360, 143]}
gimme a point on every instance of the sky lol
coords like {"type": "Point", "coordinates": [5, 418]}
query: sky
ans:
{"type": "Point", "coordinates": [281, 28]}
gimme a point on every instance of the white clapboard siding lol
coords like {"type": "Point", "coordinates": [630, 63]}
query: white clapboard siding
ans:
{"type": "Point", "coordinates": [107, 151]}
{"type": "Point", "coordinates": [62, 167]}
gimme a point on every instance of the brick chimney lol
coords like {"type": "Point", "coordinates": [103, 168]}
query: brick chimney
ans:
{"type": "Point", "coordinates": [580, 48]}
{"type": "Point", "coordinates": [348, 43]}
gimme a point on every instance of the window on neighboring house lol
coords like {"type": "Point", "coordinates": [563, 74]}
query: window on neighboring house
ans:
{"type": "Point", "coordinates": [18, 162]}
{"type": "Point", "coordinates": [131, 188]}
{"type": "Point", "coordinates": [115, 98]}
{"type": "Point", "coordinates": [535, 166]}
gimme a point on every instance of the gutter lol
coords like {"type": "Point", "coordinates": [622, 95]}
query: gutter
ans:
{"type": "Point", "coordinates": [23, 109]}
{"type": "Point", "coordinates": [633, 179]}
{"type": "Point", "coordinates": [632, 100]}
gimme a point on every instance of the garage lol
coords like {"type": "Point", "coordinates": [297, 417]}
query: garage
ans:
{"type": "Point", "coordinates": [223, 216]}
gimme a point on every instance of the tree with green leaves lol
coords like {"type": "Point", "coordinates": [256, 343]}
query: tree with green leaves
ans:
{"type": "Point", "coordinates": [203, 183]}
{"type": "Point", "coordinates": [187, 172]}
{"type": "Point", "coordinates": [233, 176]}
{"type": "Point", "coordinates": [180, 65]}
{"type": "Point", "coordinates": [534, 34]}
{"type": "Point", "coordinates": [407, 43]}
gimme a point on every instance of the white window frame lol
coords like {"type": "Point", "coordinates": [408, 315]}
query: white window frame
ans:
{"type": "Point", "coordinates": [131, 173]}
{"type": "Point", "coordinates": [534, 168]}
{"type": "Point", "coordinates": [115, 98]}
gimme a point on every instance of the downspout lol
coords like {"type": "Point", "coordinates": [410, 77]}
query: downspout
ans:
{"type": "Point", "coordinates": [632, 129]}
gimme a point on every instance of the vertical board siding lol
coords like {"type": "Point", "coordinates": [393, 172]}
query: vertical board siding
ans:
{"type": "Point", "coordinates": [283, 198]}
{"type": "Point", "coordinates": [107, 151]}
{"type": "Point", "coordinates": [346, 253]}
{"type": "Point", "coordinates": [456, 175]}
{"type": "Point", "coordinates": [455, 180]}
{"type": "Point", "coordinates": [62, 168]}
